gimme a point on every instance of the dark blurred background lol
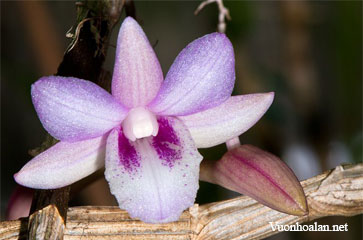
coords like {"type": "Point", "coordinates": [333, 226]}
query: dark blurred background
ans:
{"type": "Point", "coordinates": [308, 53]}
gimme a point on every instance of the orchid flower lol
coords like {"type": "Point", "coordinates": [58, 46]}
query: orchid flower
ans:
{"type": "Point", "coordinates": [147, 132]}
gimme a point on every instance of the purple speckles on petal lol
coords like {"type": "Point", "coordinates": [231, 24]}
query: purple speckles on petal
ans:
{"type": "Point", "coordinates": [162, 187]}
{"type": "Point", "coordinates": [127, 153]}
{"type": "Point", "coordinates": [167, 143]}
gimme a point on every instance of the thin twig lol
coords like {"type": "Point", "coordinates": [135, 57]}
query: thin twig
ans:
{"type": "Point", "coordinates": [335, 192]}
{"type": "Point", "coordinates": [223, 13]}
{"type": "Point", "coordinates": [75, 35]}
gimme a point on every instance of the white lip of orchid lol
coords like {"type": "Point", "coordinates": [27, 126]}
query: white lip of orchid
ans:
{"type": "Point", "coordinates": [139, 123]}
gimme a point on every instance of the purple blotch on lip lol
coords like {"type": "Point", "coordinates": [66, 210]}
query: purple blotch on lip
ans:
{"type": "Point", "coordinates": [127, 153]}
{"type": "Point", "coordinates": [166, 143]}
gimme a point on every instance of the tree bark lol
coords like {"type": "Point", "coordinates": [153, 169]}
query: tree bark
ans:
{"type": "Point", "coordinates": [83, 59]}
{"type": "Point", "coordinates": [335, 192]}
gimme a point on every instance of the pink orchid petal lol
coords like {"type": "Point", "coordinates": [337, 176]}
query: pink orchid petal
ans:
{"type": "Point", "coordinates": [154, 178]}
{"type": "Point", "coordinates": [19, 203]}
{"type": "Point", "coordinates": [72, 109]}
{"type": "Point", "coordinates": [202, 76]}
{"type": "Point", "coordinates": [260, 175]}
{"type": "Point", "coordinates": [228, 120]}
{"type": "Point", "coordinates": [63, 164]}
{"type": "Point", "coordinates": [137, 74]}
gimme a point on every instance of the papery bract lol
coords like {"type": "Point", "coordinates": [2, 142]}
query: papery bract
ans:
{"type": "Point", "coordinates": [148, 129]}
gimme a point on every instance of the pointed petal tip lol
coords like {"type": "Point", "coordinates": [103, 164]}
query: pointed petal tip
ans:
{"type": "Point", "coordinates": [39, 83]}
{"type": "Point", "coordinates": [301, 205]}
{"type": "Point", "coordinates": [16, 178]}
{"type": "Point", "coordinates": [218, 35]}
{"type": "Point", "coordinates": [220, 40]}
{"type": "Point", "coordinates": [129, 19]}
{"type": "Point", "coordinates": [271, 96]}
{"type": "Point", "coordinates": [130, 22]}
{"type": "Point", "coordinates": [297, 207]}
{"type": "Point", "coordinates": [137, 73]}
{"type": "Point", "coordinates": [263, 100]}
{"type": "Point", "coordinates": [21, 179]}
{"type": "Point", "coordinates": [63, 164]}
{"type": "Point", "coordinates": [302, 209]}
{"type": "Point", "coordinates": [267, 97]}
